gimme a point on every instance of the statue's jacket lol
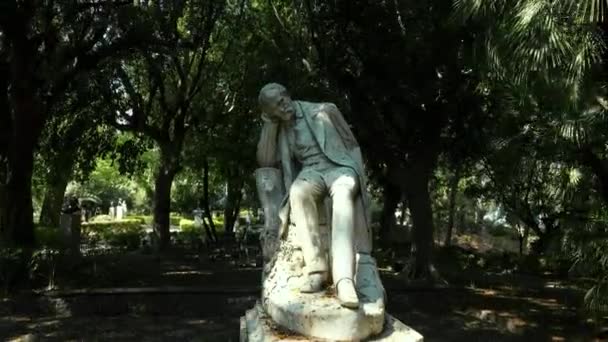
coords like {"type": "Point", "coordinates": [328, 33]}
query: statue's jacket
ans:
{"type": "Point", "coordinates": [339, 145]}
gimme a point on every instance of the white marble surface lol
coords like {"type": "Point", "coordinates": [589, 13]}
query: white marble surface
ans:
{"type": "Point", "coordinates": [320, 315]}
{"type": "Point", "coordinates": [256, 326]}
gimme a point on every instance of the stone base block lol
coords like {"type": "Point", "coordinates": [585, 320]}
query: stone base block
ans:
{"type": "Point", "coordinates": [256, 326]}
{"type": "Point", "coordinates": [318, 314]}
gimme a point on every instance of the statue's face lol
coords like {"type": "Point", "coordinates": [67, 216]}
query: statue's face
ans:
{"type": "Point", "coordinates": [279, 105]}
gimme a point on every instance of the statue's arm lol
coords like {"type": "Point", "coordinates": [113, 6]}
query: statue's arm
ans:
{"type": "Point", "coordinates": [347, 135]}
{"type": "Point", "coordinates": [267, 154]}
{"type": "Point", "coordinates": [342, 127]}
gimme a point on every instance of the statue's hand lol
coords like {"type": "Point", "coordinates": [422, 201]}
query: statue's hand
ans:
{"type": "Point", "coordinates": [268, 118]}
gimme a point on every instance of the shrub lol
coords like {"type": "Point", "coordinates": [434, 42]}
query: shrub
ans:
{"type": "Point", "coordinates": [189, 233]}
{"type": "Point", "coordinates": [186, 224]}
{"type": "Point", "coordinates": [376, 215]}
{"type": "Point", "coordinates": [174, 219]}
{"type": "Point", "coordinates": [49, 237]}
{"type": "Point", "coordinates": [143, 219]}
{"type": "Point", "coordinates": [498, 231]}
{"type": "Point", "coordinates": [43, 264]}
{"type": "Point", "coordinates": [219, 222]}
{"type": "Point", "coordinates": [24, 268]}
{"type": "Point", "coordinates": [101, 218]}
{"type": "Point", "coordinates": [13, 267]}
{"type": "Point", "coordinates": [98, 227]}
{"type": "Point", "coordinates": [530, 264]}
{"type": "Point", "coordinates": [122, 233]}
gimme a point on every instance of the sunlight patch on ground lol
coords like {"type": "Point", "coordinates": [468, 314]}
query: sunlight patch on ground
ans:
{"type": "Point", "coordinates": [503, 320]}
{"type": "Point", "coordinates": [550, 303]}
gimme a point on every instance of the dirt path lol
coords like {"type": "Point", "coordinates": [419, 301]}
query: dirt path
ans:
{"type": "Point", "coordinates": [489, 307]}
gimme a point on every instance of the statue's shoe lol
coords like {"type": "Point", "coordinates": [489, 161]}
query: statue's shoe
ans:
{"type": "Point", "coordinates": [314, 283]}
{"type": "Point", "coordinates": [346, 293]}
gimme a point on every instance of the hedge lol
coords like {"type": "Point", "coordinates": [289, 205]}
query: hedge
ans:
{"type": "Point", "coordinates": [49, 237]}
{"type": "Point", "coordinates": [185, 224]}
{"type": "Point", "coordinates": [121, 233]}
{"type": "Point", "coordinates": [143, 219]}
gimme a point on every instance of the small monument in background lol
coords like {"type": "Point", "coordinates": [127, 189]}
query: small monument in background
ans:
{"type": "Point", "coordinates": [69, 224]}
{"type": "Point", "coordinates": [112, 212]}
{"type": "Point", "coordinates": [120, 209]}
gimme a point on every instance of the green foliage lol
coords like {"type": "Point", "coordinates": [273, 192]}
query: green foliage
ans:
{"type": "Point", "coordinates": [143, 219]}
{"type": "Point", "coordinates": [596, 298]}
{"type": "Point", "coordinates": [524, 42]}
{"type": "Point", "coordinates": [127, 233]}
{"type": "Point", "coordinates": [218, 221]}
{"type": "Point", "coordinates": [587, 244]}
{"type": "Point", "coordinates": [501, 231]}
{"type": "Point", "coordinates": [49, 237]}
{"type": "Point", "coordinates": [106, 183]}
{"type": "Point", "coordinates": [43, 264]}
{"type": "Point", "coordinates": [77, 38]}
{"type": "Point", "coordinates": [175, 219]}
{"type": "Point", "coordinates": [13, 267]}
{"type": "Point", "coordinates": [20, 267]}
{"type": "Point", "coordinates": [376, 212]}
{"type": "Point", "coordinates": [184, 197]}
{"type": "Point", "coordinates": [190, 233]}
{"type": "Point", "coordinates": [185, 224]}
{"type": "Point", "coordinates": [101, 218]}
{"type": "Point", "coordinates": [511, 96]}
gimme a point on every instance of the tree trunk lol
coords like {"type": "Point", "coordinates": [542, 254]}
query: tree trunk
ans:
{"type": "Point", "coordinates": [3, 213]}
{"type": "Point", "coordinates": [5, 133]}
{"type": "Point", "coordinates": [25, 119]}
{"type": "Point", "coordinates": [419, 201]}
{"type": "Point", "coordinates": [524, 242]}
{"type": "Point", "coordinates": [162, 196]}
{"type": "Point", "coordinates": [452, 205]}
{"type": "Point", "coordinates": [19, 210]}
{"type": "Point", "coordinates": [206, 206]}
{"type": "Point", "coordinates": [56, 184]}
{"type": "Point", "coordinates": [20, 157]}
{"type": "Point", "coordinates": [392, 196]}
{"type": "Point", "coordinates": [231, 209]}
{"type": "Point", "coordinates": [208, 235]}
{"type": "Point", "coordinates": [51, 205]}
{"type": "Point", "coordinates": [462, 218]}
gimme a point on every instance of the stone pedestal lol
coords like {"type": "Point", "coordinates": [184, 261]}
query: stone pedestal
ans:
{"type": "Point", "coordinates": [270, 191]}
{"type": "Point", "coordinates": [318, 315]}
{"type": "Point", "coordinates": [70, 229]}
{"type": "Point", "coordinates": [286, 314]}
{"type": "Point", "coordinates": [256, 326]}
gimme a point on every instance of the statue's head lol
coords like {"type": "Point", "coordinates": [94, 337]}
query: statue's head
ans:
{"type": "Point", "coordinates": [275, 101]}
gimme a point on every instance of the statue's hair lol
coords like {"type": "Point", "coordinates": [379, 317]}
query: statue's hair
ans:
{"type": "Point", "coordinates": [271, 87]}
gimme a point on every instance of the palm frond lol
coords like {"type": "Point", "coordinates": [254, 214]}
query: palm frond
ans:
{"type": "Point", "coordinates": [532, 40]}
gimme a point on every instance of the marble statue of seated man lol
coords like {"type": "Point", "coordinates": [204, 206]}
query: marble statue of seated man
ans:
{"type": "Point", "coordinates": [319, 157]}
